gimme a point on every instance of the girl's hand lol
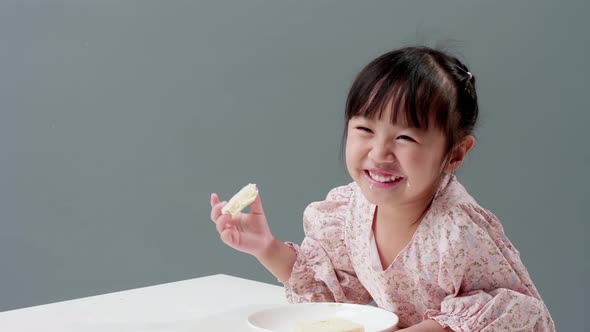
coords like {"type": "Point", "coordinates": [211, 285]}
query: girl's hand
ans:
{"type": "Point", "coordinates": [246, 232]}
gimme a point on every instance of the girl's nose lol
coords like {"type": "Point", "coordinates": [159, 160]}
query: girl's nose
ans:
{"type": "Point", "coordinates": [381, 153]}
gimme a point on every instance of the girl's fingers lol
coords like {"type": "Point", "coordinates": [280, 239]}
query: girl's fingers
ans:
{"type": "Point", "coordinates": [229, 236]}
{"type": "Point", "coordinates": [214, 199]}
{"type": "Point", "coordinates": [220, 223]}
{"type": "Point", "coordinates": [224, 221]}
{"type": "Point", "coordinates": [216, 210]}
{"type": "Point", "coordinates": [256, 206]}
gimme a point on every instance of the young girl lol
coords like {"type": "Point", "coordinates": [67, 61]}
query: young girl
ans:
{"type": "Point", "coordinates": [405, 233]}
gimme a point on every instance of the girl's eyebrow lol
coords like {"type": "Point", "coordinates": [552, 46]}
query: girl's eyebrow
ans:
{"type": "Point", "coordinates": [361, 118]}
{"type": "Point", "coordinates": [401, 126]}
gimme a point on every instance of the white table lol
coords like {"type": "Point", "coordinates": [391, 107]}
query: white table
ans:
{"type": "Point", "coordinates": [213, 303]}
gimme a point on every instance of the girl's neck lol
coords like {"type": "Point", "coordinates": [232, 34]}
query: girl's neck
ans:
{"type": "Point", "coordinates": [408, 215]}
{"type": "Point", "coordinates": [401, 217]}
{"type": "Point", "coordinates": [404, 216]}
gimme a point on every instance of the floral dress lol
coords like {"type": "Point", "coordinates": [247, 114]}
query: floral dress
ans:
{"type": "Point", "coordinates": [459, 268]}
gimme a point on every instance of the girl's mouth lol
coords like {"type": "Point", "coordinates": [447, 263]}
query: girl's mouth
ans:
{"type": "Point", "coordinates": [381, 181]}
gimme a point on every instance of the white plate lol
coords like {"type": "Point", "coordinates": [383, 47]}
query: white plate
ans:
{"type": "Point", "coordinates": [284, 318]}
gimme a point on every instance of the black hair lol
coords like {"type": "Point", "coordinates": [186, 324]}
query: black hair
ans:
{"type": "Point", "coordinates": [424, 84]}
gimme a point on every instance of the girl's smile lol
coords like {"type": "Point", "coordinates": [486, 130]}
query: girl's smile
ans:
{"type": "Point", "coordinates": [378, 179]}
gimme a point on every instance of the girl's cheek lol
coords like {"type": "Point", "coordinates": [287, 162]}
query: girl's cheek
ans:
{"type": "Point", "coordinates": [356, 146]}
{"type": "Point", "coordinates": [406, 153]}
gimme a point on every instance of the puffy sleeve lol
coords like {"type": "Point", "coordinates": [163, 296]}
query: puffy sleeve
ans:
{"type": "Point", "coordinates": [323, 271]}
{"type": "Point", "coordinates": [487, 286]}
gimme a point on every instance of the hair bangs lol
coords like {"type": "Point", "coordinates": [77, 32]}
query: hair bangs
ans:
{"type": "Point", "coordinates": [412, 96]}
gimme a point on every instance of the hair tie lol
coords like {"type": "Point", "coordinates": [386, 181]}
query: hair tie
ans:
{"type": "Point", "coordinates": [469, 74]}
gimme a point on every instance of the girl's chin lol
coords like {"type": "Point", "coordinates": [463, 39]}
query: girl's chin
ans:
{"type": "Point", "coordinates": [378, 197]}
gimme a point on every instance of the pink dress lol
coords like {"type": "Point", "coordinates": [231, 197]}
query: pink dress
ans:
{"type": "Point", "coordinates": [459, 268]}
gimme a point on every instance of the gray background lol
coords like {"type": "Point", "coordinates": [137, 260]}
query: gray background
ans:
{"type": "Point", "coordinates": [119, 118]}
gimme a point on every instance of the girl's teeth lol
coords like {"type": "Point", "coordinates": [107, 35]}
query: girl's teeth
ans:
{"type": "Point", "coordinates": [382, 178]}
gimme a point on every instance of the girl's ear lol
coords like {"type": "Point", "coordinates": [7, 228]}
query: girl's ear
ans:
{"type": "Point", "coordinates": [459, 153]}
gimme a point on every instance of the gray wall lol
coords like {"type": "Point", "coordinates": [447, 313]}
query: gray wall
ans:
{"type": "Point", "coordinates": [119, 118]}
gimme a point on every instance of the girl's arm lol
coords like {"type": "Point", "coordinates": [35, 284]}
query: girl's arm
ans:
{"type": "Point", "coordinates": [250, 233]}
{"type": "Point", "coordinates": [279, 259]}
{"type": "Point", "coordinates": [427, 326]}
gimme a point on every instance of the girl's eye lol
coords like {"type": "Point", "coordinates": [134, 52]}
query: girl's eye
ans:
{"type": "Point", "coordinates": [365, 129]}
{"type": "Point", "coordinates": [406, 138]}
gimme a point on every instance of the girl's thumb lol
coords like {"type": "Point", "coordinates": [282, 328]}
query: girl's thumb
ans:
{"type": "Point", "coordinates": [256, 206]}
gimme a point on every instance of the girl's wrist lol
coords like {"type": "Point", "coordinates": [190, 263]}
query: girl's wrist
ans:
{"type": "Point", "coordinates": [278, 258]}
{"type": "Point", "coordinates": [267, 249]}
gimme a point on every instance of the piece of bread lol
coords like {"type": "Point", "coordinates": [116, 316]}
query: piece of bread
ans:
{"type": "Point", "coordinates": [330, 325]}
{"type": "Point", "coordinates": [241, 199]}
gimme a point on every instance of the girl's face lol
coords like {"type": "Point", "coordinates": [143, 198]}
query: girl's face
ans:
{"type": "Point", "coordinates": [394, 164]}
